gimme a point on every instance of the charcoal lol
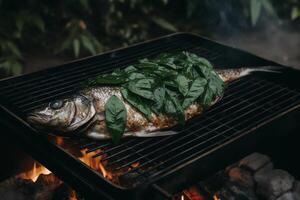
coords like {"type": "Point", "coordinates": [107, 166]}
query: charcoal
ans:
{"type": "Point", "coordinates": [289, 196]}
{"type": "Point", "coordinates": [242, 176]}
{"type": "Point", "coordinates": [263, 171]}
{"type": "Point", "coordinates": [273, 183]}
{"type": "Point", "coordinates": [62, 192]}
{"type": "Point", "coordinates": [47, 187]}
{"type": "Point", "coordinates": [254, 161]}
{"type": "Point", "coordinates": [17, 189]}
{"type": "Point", "coordinates": [296, 188]}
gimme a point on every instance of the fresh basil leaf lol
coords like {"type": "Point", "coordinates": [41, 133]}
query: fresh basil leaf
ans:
{"type": "Point", "coordinates": [190, 72]}
{"type": "Point", "coordinates": [118, 72]}
{"type": "Point", "coordinates": [168, 62]}
{"type": "Point", "coordinates": [136, 75]}
{"type": "Point", "coordinates": [115, 117]}
{"type": "Point", "coordinates": [196, 89]}
{"type": "Point", "coordinates": [218, 83]}
{"type": "Point", "coordinates": [130, 69]}
{"type": "Point", "coordinates": [142, 87]}
{"type": "Point", "coordinates": [173, 107]}
{"type": "Point", "coordinates": [164, 73]}
{"type": "Point", "coordinates": [183, 84]}
{"type": "Point", "coordinates": [159, 97]}
{"type": "Point", "coordinates": [203, 71]}
{"type": "Point", "coordinates": [140, 104]}
{"type": "Point", "coordinates": [145, 63]}
{"type": "Point", "coordinates": [170, 108]}
{"type": "Point", "coordinates": [193, 58]}
{"type": "Point", "coordinates": [207, 97]}
{"type": "Point", "coordinates": [171, 83]}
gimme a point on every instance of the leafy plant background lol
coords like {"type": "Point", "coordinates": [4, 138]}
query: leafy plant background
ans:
{"type": "Point", "coordinates": [77, 28]}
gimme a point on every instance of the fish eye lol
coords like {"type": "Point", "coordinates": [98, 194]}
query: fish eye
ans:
{"type": "Point", "coordinates": [56, 104]}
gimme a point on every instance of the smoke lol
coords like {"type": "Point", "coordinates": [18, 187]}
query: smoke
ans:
{"type": "Point", "coordinates": [270, 38]}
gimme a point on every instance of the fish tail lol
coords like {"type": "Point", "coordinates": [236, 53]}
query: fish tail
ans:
{"type": "Point", "coordinates": [153, 134]}
{"type": "Point", "coordinates": [228, 75]}
{"type": "Point", "coordinates": [271, 69]}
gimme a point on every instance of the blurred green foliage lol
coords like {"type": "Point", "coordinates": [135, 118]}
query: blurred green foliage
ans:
{"type": "Point", "coordinates": [87, 27]}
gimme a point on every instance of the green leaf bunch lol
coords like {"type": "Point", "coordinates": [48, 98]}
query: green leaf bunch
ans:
{"type": "Point", "coordinates": [166, 84]}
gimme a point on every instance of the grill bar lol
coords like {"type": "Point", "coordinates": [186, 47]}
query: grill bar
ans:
{"type": "Point", "coordinates": [187, 143]}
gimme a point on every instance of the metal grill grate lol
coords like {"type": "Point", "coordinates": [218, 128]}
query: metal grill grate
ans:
{"type": "Point", "coordinates": [248, 103]}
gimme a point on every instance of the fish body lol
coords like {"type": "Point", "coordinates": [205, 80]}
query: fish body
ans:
{"type": "Point", "coordinates": [85, 112]}
{"type": "Point", "coordinates": [136, 124]}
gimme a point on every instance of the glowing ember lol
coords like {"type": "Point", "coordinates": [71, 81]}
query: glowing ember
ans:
{"type": "Point", "coordinates": [216, 197]}
{"type": "Point", "coordinates": [134, 165]}
{"type": "Point", "coordinates": [59, 141]}
{"type": "Point", "coordinates": [73, 195]}
{"type": "Point", "coordinates": [193, 194]}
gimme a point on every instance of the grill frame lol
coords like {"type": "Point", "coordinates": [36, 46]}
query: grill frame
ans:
{"type": "Point", "coordinates": [87, 179]}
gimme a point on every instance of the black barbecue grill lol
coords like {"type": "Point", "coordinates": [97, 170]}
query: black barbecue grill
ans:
{"type": "Point", "coordinates": [225, 132]}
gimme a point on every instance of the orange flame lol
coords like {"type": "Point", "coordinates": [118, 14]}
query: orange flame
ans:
{"type": "Point", "coordinates": [216, 197]}
{"type": "Point", "coordinates": [95, 163]}
{"type": "Point", "coordinates": [35, 172]}
{"type": "Point", "coordinates": [72, 196]}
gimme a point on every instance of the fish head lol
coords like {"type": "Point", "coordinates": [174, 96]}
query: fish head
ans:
{"type": "Point", "coordinates": [63, 115]}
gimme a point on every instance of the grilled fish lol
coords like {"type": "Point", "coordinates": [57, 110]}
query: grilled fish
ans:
{"type": "Point", "coordinates": [83, 114]}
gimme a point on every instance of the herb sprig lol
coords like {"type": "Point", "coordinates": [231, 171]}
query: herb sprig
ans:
{"type": "Point", "coordinates": [166, 84]}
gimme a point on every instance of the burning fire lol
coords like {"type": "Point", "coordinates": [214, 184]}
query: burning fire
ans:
{"type": "Point", "coordinates": [95, 163]}
{"type": "Point", "coordinates": [216, 197]}
{"type": "Point", "coordinates": [193, 193]}
{"type": "Point", "coordinates": [73, 195]}
{"type": "Point", "coordinates": [35, 172]}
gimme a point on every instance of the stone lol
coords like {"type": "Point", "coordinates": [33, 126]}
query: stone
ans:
{"type": "Point", "coordinates": [254, 161]}
{"type": "Point", "coordinates": [289, 196]}
{"type": "Point", "coordinates": [273, 183]}
{"type": "Point", "coordinates": [241, 176]}
{"type": "Point", "coordinates": [297, 187]}
{"type": "Point", "coordinates": [263, 171]}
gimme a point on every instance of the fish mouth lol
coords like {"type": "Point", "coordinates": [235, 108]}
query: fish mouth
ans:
{"type": "Point", "coordinates": [35, 118]}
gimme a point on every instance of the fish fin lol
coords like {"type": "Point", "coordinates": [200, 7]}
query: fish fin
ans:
{"type": "Point", "coordinates": [153, 134]}
{"type": "Point", "coordinates": [97, 136]}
